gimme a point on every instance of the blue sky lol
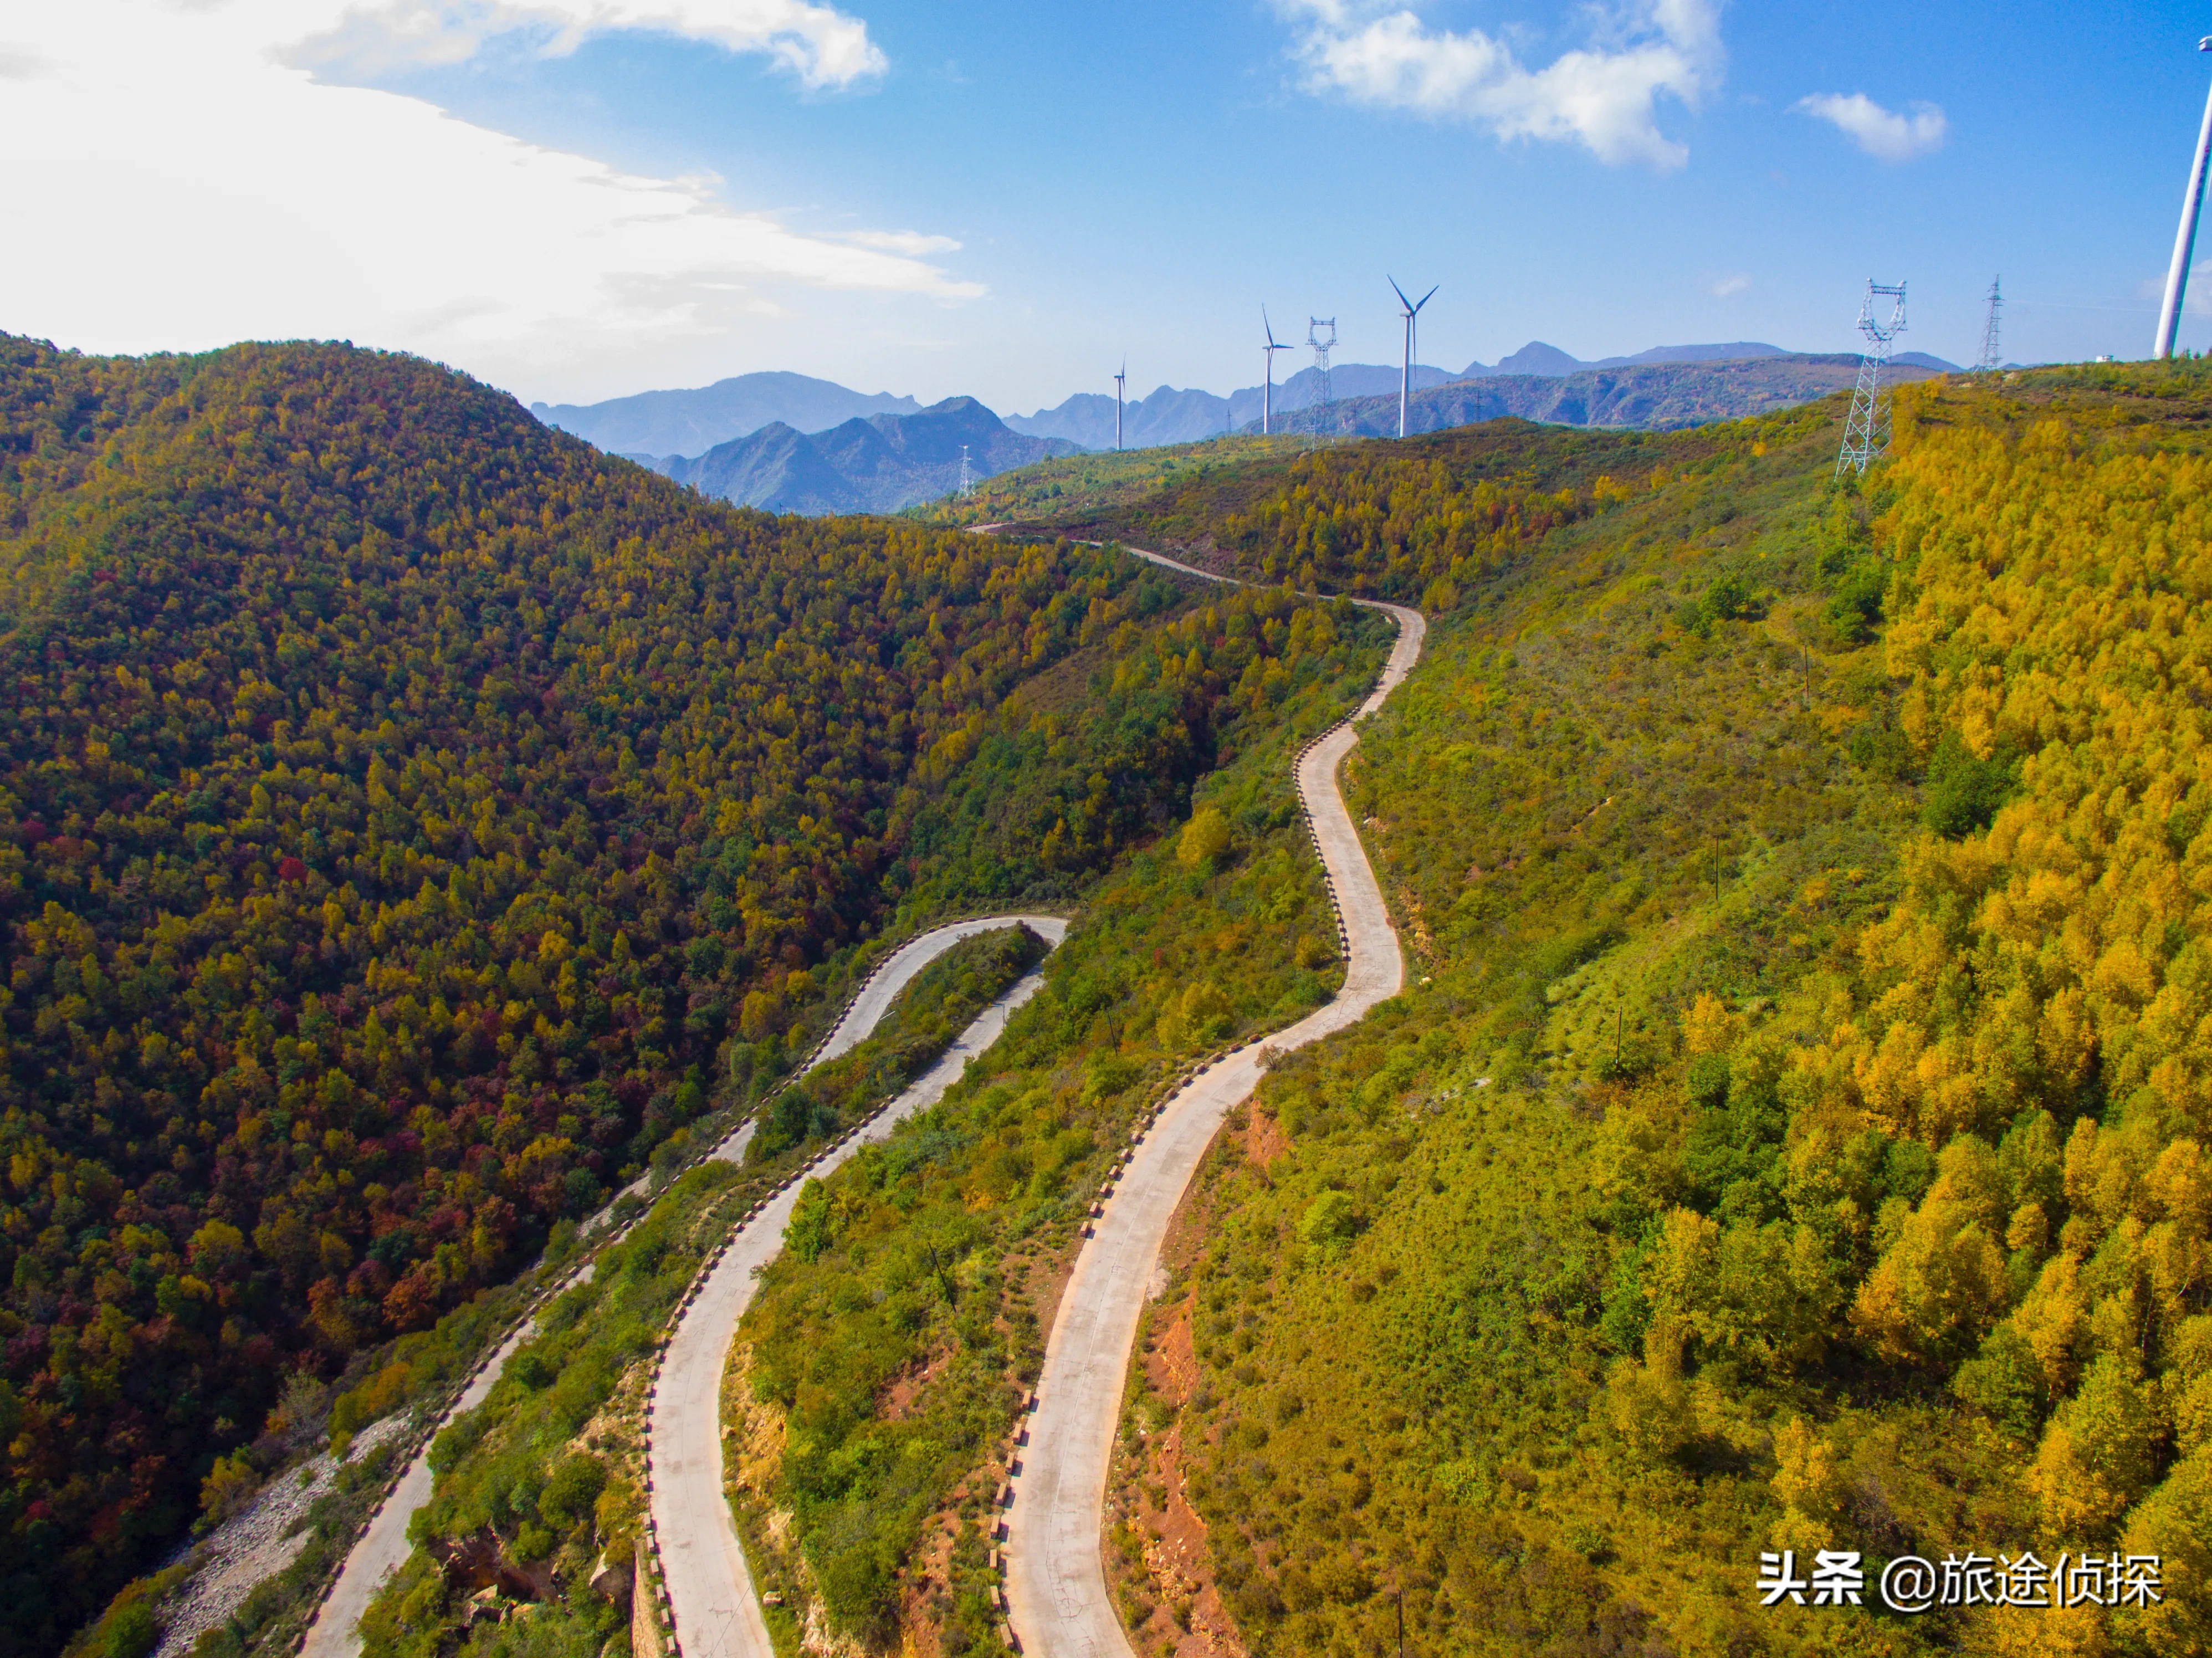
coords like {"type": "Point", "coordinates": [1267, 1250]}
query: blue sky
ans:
{"type": "Point", "coordinates": [577, 199]}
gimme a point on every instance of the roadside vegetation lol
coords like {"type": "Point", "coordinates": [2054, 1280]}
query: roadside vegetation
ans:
{"type": "Point", "coordinates": [529, 1543]}
{"type": "Point", "coordinates": [877, 1373]}
{"type": "Point", "coordinates": [1158, 702]}
{"type": "Point", "coordinates": [1793, 1136]}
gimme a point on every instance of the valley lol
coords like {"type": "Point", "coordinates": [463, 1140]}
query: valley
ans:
{"type": "Point", "coordinates": [1710, 1064]}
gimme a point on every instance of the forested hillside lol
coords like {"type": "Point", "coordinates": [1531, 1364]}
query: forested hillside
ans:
{"type": "Point", "coordinates": [889, 1335]}
{"type": "Point", "coordinates": [1795, 1135]}
{"type": "Point", "coordinates": [402, 808]}
{"type": "Point", "coordinates": [1791, 1135]}
{"type": "Point", "coordinates": [1383, 518]}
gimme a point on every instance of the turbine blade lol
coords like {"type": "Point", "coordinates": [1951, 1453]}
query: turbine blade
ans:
{"type": "Point", "coordinates": [1400, 292]}
{"type": "Point", "coordinates": [1426, 297]}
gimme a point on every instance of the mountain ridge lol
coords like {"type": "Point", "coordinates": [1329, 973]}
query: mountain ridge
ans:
{"type": "Point", "coordinates": [873, 465]}
{"type": "Point", "coordinates": [1650, 396]}
{"type": "Point", "coordinates": [665, 424]}
{"type": "Point", "coordinates": [690, 422]}
{"type": "Point", "coordinates": [424, 705]}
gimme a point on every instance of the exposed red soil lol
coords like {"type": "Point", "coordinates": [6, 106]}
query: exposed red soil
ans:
{"type": "Point", "coordinates": [1173, 1584]}
{"type": "Point", "coordinates": [1264, 1140]}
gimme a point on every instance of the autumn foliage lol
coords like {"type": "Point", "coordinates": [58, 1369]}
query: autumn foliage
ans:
{"type": "Point", "coordinates": [400, 806]}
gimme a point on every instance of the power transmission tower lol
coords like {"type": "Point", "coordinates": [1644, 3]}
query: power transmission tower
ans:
{"type": "Point", "coordinates": [1866, 433]}
{"type": "Point", "coordinates": [1321, 347]}
{"type": "Point", "coordinates": [967, 476]}
{"type": "Point", "coordinates": [1991, 356]}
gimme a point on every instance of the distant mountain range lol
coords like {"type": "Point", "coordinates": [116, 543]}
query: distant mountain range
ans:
{"type": "Point", "coordinates": [790, 444]}
{"type": "Point", "coordinates": [1548, 362]}
{"type": "Point", "coordinates": [878, 464]}
{"type": "Point", "coordinates": [692, 422]}
{"type": "Point", "coordinates": [1172, 415]}
{"type": "Point", "coordinates": [1655, 394]}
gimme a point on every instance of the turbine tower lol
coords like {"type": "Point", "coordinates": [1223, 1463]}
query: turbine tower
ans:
{"type": "Point", "coordinates": [1410, 311]}
{"type": "Point", "coordinates": [1119, 379]}
{"type": "Point", "coordinates": [2185, 239]}
{"type": "Point", "coordinates": [1321, 347]}
{"type": "Point", "coordinates": [1991, 355]}
{"type": "Point", "coordinates": [1267, 397]}
{"type": "Point", "coordinates": [1866, 433]}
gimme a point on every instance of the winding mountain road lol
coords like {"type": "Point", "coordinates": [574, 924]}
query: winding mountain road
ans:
{"type": "Point", "coordinates": [710, 1592]}
{"type": "Point", "coordinates": [383, 1548]}
{"type": "Point", "coordinates": [1056, 1592]}
{"type": "Point", "coordinates": [1058, 1600]}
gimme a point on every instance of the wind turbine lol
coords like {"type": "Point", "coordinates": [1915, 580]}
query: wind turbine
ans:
{"type": "Point", "coordinates": [1410, 311]}
{"type": "Point", "coordinates": [1267, 397]}
{"type": "Point", "coordinates": [1118, 381]}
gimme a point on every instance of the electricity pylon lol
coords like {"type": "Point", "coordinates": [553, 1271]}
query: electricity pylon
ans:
{"type": "Point", "coordinates": [1321, 347]}
{"type": "Point", "coordinates": [1991, 356]}
{"type": "Point", "coordinates": [1866, 433]}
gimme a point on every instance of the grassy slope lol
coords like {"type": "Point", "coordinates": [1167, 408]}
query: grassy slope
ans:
{"type": "Point", "coordinates": [1544, 801]}
{"type": "Point", "coordinates": [1555, 1343]}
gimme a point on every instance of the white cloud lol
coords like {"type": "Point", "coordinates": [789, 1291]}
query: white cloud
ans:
{"type": "Point", "coordinates": [20, 62]}
{"type": "Point", "coordinates": [913, 243]}
{"type": "Point", "coordinates": [1602, 96]}
{"type": "Point", "coordinates": [820, 45]}
{"type": "Point", "coordinates": [1882, 133]}
{"type": "Point", "coordinates": [188, 182]}
{"type": "Point", "coordinates": [1728, 287]}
